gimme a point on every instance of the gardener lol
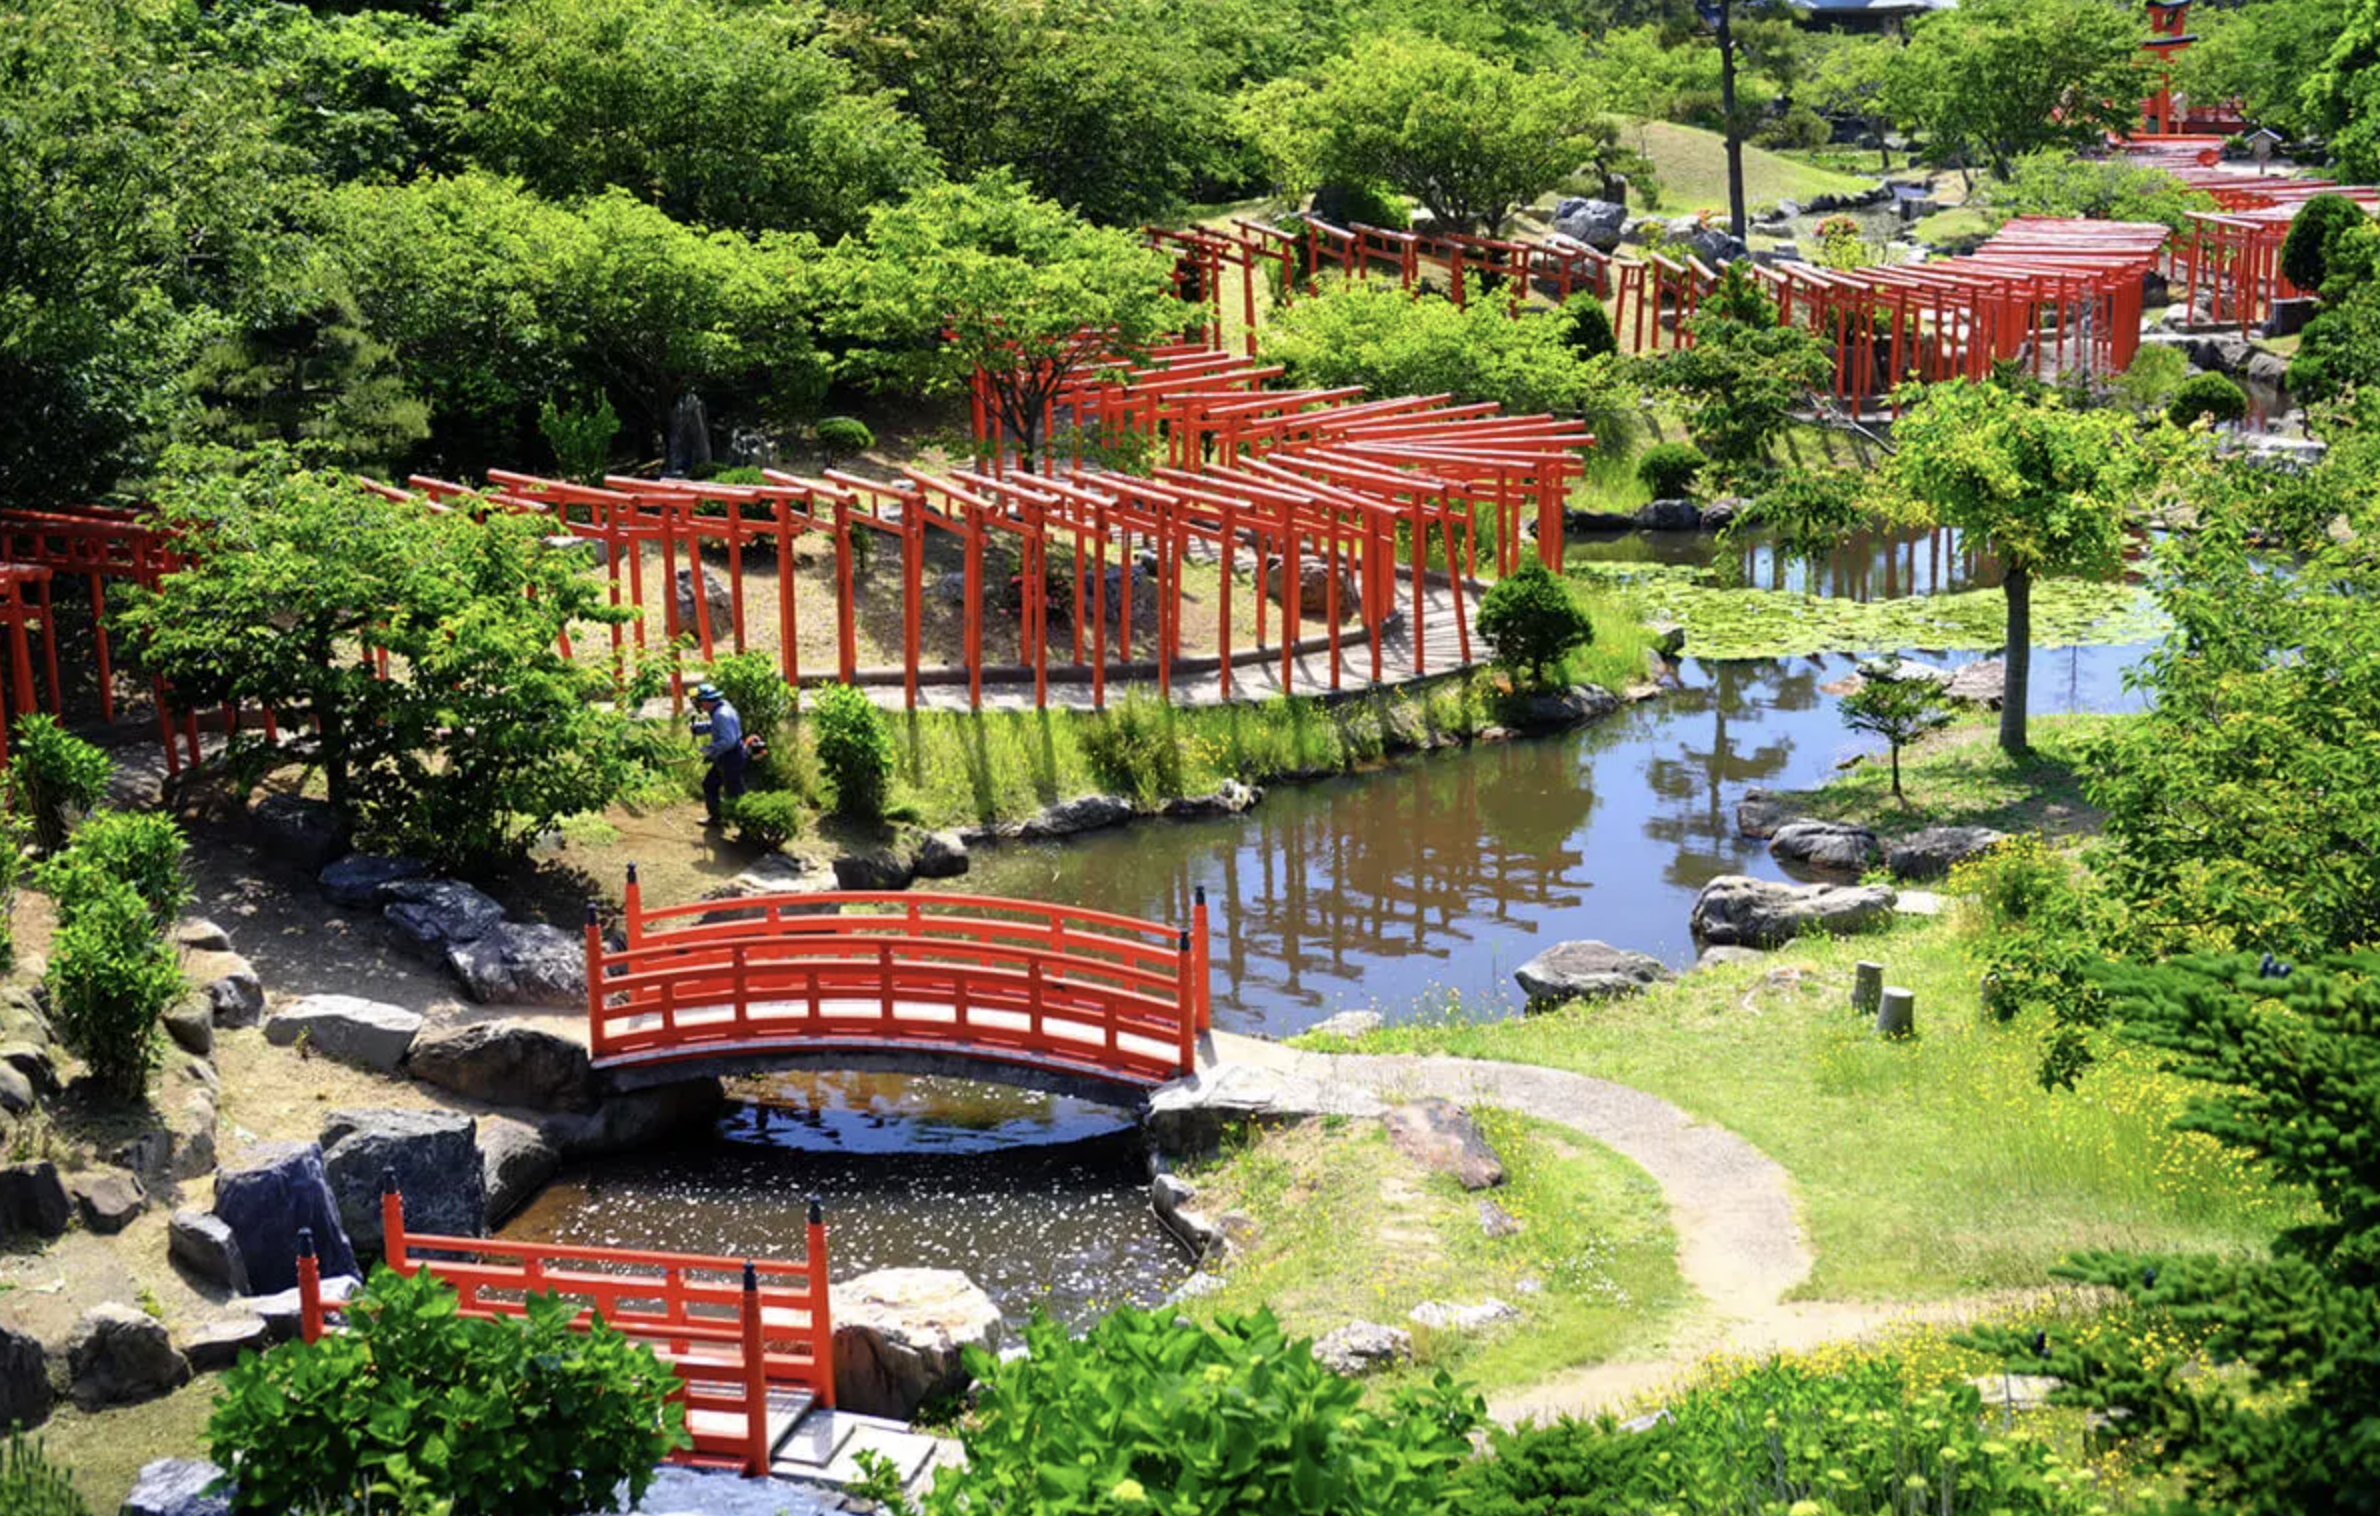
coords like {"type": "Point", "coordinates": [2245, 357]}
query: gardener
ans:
{"type": "Point", "coordinates": [725, 751]}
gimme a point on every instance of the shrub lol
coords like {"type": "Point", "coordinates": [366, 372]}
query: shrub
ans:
{"type": "Point", "coordinates": [12, 872]}
{"type": "Point", "coordinates": [2305, 253]}
{"type": "Point", "coordinates": [1231, 1416]}
{"type": "Point", "coordinates": [843, 437]}
{"type": "Point", "coordinates": [1798, 128]}
{"type": "Point", "coordinates": [141, 849]}
{"type": "Point", "coordinates": [1669, 469]}
{"type": "Point", "coordinates": [1780, 1436]}
{"type": "Point", "coordinates": [30, 1485]}
{"type": "Point", "coordinates": [1361, 204]}
{"type": "Point", "coordinates": [51, 772]}
{"type": "Point", "coordinates": [2154, 378]}
{"type": "Point", "coordinates": [753, 684]}
{"type": "Point", "coordinates": [1135, 748]}
{"type": "Point", "coordinates": [1533, 620]}
{"type": "Point", "coordinates": [581, 440]}
{"type": "Point", "coordinates": [111, 976]}
{"type": "Point", "coordinates": [1590, 327]}
{"type": "Point", "coordinates": [769, 818]}
{"type": "Point", "coordinates": [855, 747]}
{"type": "Point", "coordinates": [416, 1406]}
{"type": "Point", "coordinates": [2207, 395]}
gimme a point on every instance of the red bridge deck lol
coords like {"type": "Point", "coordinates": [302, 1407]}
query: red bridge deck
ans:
{"type": "Point", "coordinates": [1072, 992]}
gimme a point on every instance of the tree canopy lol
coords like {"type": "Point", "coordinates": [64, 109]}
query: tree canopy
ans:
{"type": "Point", "coordinates": [1992, 80]}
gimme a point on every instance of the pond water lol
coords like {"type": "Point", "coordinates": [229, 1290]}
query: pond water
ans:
{"type": "Point", "coordinates": [1866, 566]}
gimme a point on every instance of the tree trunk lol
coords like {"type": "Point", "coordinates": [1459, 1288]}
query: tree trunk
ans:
{"type": "Point", "coordinates": [1736, 221]}
{"type": "Point", "coordinates": [2017, 661]}
{"type": "Point", "coordinates": [1896, 777]}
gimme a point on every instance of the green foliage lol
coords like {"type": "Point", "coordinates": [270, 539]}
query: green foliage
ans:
{"type": "Point", "coordinates": [1183, 1420]}
{"type": "Point", "coordinates": [1669, 469]}
{"type": "Point", "coordinates": [1533, 620]}
{"type": "Point", "coordinates": [855, 747]}
{"type": "Point", "coordinates": [1371, 333]}
{"type": "Point", "coordinates": [142, 849]}
{"type": "Point", "coordinates": [2305, 252]}
{"type": "Point", "coordinates": [2266, 1412]}
{"type": "Point", "coordinates": [1841, 244]}
{"type": "Point", "coordinates": [2338, 353]}
{"type": "Point", "coordinates": [1806, 514]}
{"type": "Point", "coordinates": [1745, 374]}
{"type": "Point", "coordinates": [1466, 136]}
{"type": "Point", "coordinates": [1994, 80]}
{"type": "Point", "coordinates": [983, 275]}
{"type": "Point", "coordinates": [50, 773]}
{"type": "Point", "coordinates": [2263, 54]}
{"type": "Point", "coordinates": [1898, 710]}
{"type": "Point", "coordinates": [111, 976]}
{"type": "Point", "coordinates": [1590, 332]}
{"type": "Point", "coordinates": [2208, 395]}
{"type": "Point", "coordinates": [768, 818]}
{"type": "Point", "coordinates": [756, 687]}
{"type": "Point", "coordinates": [581, 439]}
{"type": "Point", "coordinates": [482, 736]}
{"type": "Point", "coordinates": [1781, 1437]}
{"type": "Point", "coordinates": [841, 437]}
{"type": "Point", "coordinates": [1344, 205]}
{"type": "Point", "coordinates": [2155, 375]}
{"type": "Point", "coordinates": [1134, 747]}
{"type": "Point", "coordinates": [2342, 96]}
{"type": "Point", "coordinates": [1796, 128]}
{"type": "Point", "coordinates": [30, 1485]}
{"type": "Point", "coordinates": [12, 872]}
{"type": "Point", "coordinates": [2044, 932]}
{"type": "Point", "coordinates": [417, 1408]}
{"type": "Point", "coordinates": [301, 366]}
{"type": "Point", "coordinates": [2054, 182]}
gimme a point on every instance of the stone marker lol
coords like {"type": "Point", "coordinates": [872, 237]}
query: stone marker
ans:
{"type": "Point", "coordinates": [1867, 987]}
{"type": "Point", "coordinates": [1896, 1012]}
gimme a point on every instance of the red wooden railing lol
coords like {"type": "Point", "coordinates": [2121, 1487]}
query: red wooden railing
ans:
{"type": "Point", "coordinates": [730, 1344]}
{"type": "Point", "coordinates": [1012, 981]}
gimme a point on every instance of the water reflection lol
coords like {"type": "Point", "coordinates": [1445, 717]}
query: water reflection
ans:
{"type": "Point", "coordinates": [1865, 566]}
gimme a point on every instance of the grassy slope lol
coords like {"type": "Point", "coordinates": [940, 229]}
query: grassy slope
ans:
{"type": "Point", "coordinates": [1929, 1168]}
{"type": "Point", "coordinates": [1693, 168]}
{"type": "Point", "coordinates": [1346, 1228]}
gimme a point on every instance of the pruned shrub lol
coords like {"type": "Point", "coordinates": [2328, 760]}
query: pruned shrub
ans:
{"type": "Point", "coordinates": [581, 439]}
{"type": "Point", "coordinates": [1533, 620]}
{"type": "Point", "coordinates": [855, 746]}
{"type": "Point", "coordinates": [111, 976]}
{"type": "Point", "coordinates": [841, 437]}
{"type": "Point", "coordinates": [417, 1408]}
{"type": "Point", "coordinates": [1669, 469]}
{"type": "Point", "coordinates": [2305, 252]}
{"type": "Point", "coordinates": [1148, 1411]}
{"type": "Point", "coordinates": [769, 818]}
{"type": "Point", "coordinates": [1135, 749]}
{"type": "Point", "coordinates": [30, 1485]}
{"type": "Point", "coordinates": [137, 848]}
{"type": "Point", "coordinates": [1360, 205]}
{"type": "Point", "coordinates": [1589, 324]}
{"type": "Point", "coordinates": [2207, 395]}
{"type": "Point", "coordinates": [756, 688]}
{"type": "Point", "coordinates": [52, 774]}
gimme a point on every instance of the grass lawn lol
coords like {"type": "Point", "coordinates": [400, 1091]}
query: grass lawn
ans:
{"type": "Point", "coordinates": [1959, 777]}
{"type": "Point", "coordinates": [1927, 1168]}
{"type": "Point", "coordinates": [1960, 225]}
{"type": "Point", "coordinates": [104, 1451]}
{"type": "Point", "coordinates": [1692, 164]}
{"type": "Point", "coordinates": [1347, 1228]}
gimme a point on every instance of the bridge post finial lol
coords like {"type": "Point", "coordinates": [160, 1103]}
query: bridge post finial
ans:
{"type": "Point", "coordinates": [305, 1241]}
{"type": "Point", "coordinates": [632, 873]}
{"type": "Point", "coordinates": [1198, 896]}
{"type": "Point", "coordinates": [817, 1210]}
{"type": "Point", "coordinates": [592, 918]}
{"type": "Point", "coordinates": [388, 1181]}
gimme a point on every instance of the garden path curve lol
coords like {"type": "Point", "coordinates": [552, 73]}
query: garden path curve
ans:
{"type": "Point", "coordinates": [1741, 1246]}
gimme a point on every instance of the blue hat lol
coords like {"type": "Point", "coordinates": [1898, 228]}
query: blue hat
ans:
{"type": "Point", "coordinates": [704, 692]}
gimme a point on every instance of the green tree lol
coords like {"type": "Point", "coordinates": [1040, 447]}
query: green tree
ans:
{"type": "Point", "coordinates": [1898, 710]}
{"type": "Point", "coordinates": [721, 116]}
{"type": "Point", "coordinates": [1467, 137]}
{"type": "Point", "coordinates": [1745, 373]}
{"type": "Point", "coordinates": [984, 276]}
{"type": "Point", "coordinates": [2046, 488]}
{"type": "Point", "coordinates": [482, 736]}
{"type": "Point", "coordinates": [2339, 351]}
{"type": "Point", "coordinates": [2053, 182]}
{"type": "Point", "coordinates": [2342, 96]}
{"type": "Point", "coordinates": [1534, 619]}
{"type": "Point", "coordinates": [2269, 1411]}
{"type": "Point", "coordinates": [1849, 76]}
{"type": "Point", "coordinates": [301, 367]}
{"type": "Point", "coordinates": [2262, 54]}
{"type": "Point", "coordinates": [1995, 79]}
{"type": "Point", "coordinates": [2319, 223]}
{"type": "Point", "coordinates": [110, 977]}
{"type": "Point", "coordinates": [367, 95]}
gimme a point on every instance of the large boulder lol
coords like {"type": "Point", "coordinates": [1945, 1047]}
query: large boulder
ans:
{"type": "Point", "coordinates": [1084, 813]}
{"type": "Point", "coordinates": [1714, 245]}
{"type": "Point", "coordinates": [1360, 1347]}
{"type": "Point", "coordinates": [359, 879]}
{"type": "Point", "coordinates": [775, 874]}
{"type": "Point", "coordinates": [33, 1201]}
{"type": "Point", "coordinates": [107, 1199]}
{"type": "Point", "coordinates": [1597, 223]}
{"type": "Point", "coordinates": [515, 1161]}
{"type": "Point", "coordinates": [1559, 710]}
{"type": "Point", "coordinates": [1588, 970]}
{"type": "Point", "coordinates": [431, 916]}
{"type": "Point", "coordinates": [941, 855]}
{"type": "Point", "coordinates": [718, 599]}
{"type": "Point", "coordinates": [119, 1355]}
{"type": "Point", "coordinates": [204, 1245]}
{"type": "Point", "coordinates": [1669, 516]}
{"type": "Point", "coordinates": [1229, 798]}
{"type": "Point", "coordinates": [900, 1337]}
{"type": "Point", "coordinates": [25, 1393]}
{"type": "Point", "coordinates": [190, 1022]}
{"type": "Point", "coordinates": [200, 935]}
{"type": "Point", "coordinates": [867, 869]}
{"type": "Point", "coordinates": [216, 1345]}
{"type": "Point", "coordinates": [1832, 845]}
{"type": "Point", "coordinates": [1931, 853]}
{"type": "Point", "coordinates": [1441, 1137]}
{"type": "Point", "coordinates": [1313, 587]}
{"type": "Point", "coordinates": [282, 1311]}
{"type": "Point", "coordinates": [506, 1063]}
{"type": "Point", "coordinates": [1984, 684]}
{"type": "Point", "coordinates": [268, 1199]}
{"type": "Point", "coordinates": [522, 965]}
{"type": "Point", "coordinates": [1735, 911]}
{"type": "Point", "coordinates": [1760, 814]}
{"type": "Point", "coordinates": [304, 834]}
{"type": "Point", "coordinates": [366, 1033]}
{"type": "Point", "coordinates": [176, 1487]}
{"type": "Point", "coordinates": [434, 1157]}
{"type": "Point", "coordinates": [186, 1095]}
{"type": "Point", "coordinates": [1192, 1115]}
{"type": "Point", "coordinates": [235, 996]}
{"type": "Point", "coordinates": [622, 1123]}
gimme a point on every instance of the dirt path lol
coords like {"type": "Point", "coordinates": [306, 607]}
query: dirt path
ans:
{"type": "Point", "coordinates": [1740, 1240]}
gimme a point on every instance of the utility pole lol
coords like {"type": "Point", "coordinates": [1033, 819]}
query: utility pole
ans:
{"type": "Point", "coordinates": [1736, 221]}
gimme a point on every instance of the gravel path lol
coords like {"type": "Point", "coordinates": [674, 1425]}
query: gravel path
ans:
{"type": "Point", "coordinates": [1740, 1240]}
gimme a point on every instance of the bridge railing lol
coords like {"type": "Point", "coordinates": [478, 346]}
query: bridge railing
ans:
{"type": "Point", "coordinates": [730, 1329]}
{"type": "Point", "coordinates": [1017, 981]}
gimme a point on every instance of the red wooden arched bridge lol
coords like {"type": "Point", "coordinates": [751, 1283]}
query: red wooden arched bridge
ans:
{"type": "Point", "coordinates": [1010, 990]}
